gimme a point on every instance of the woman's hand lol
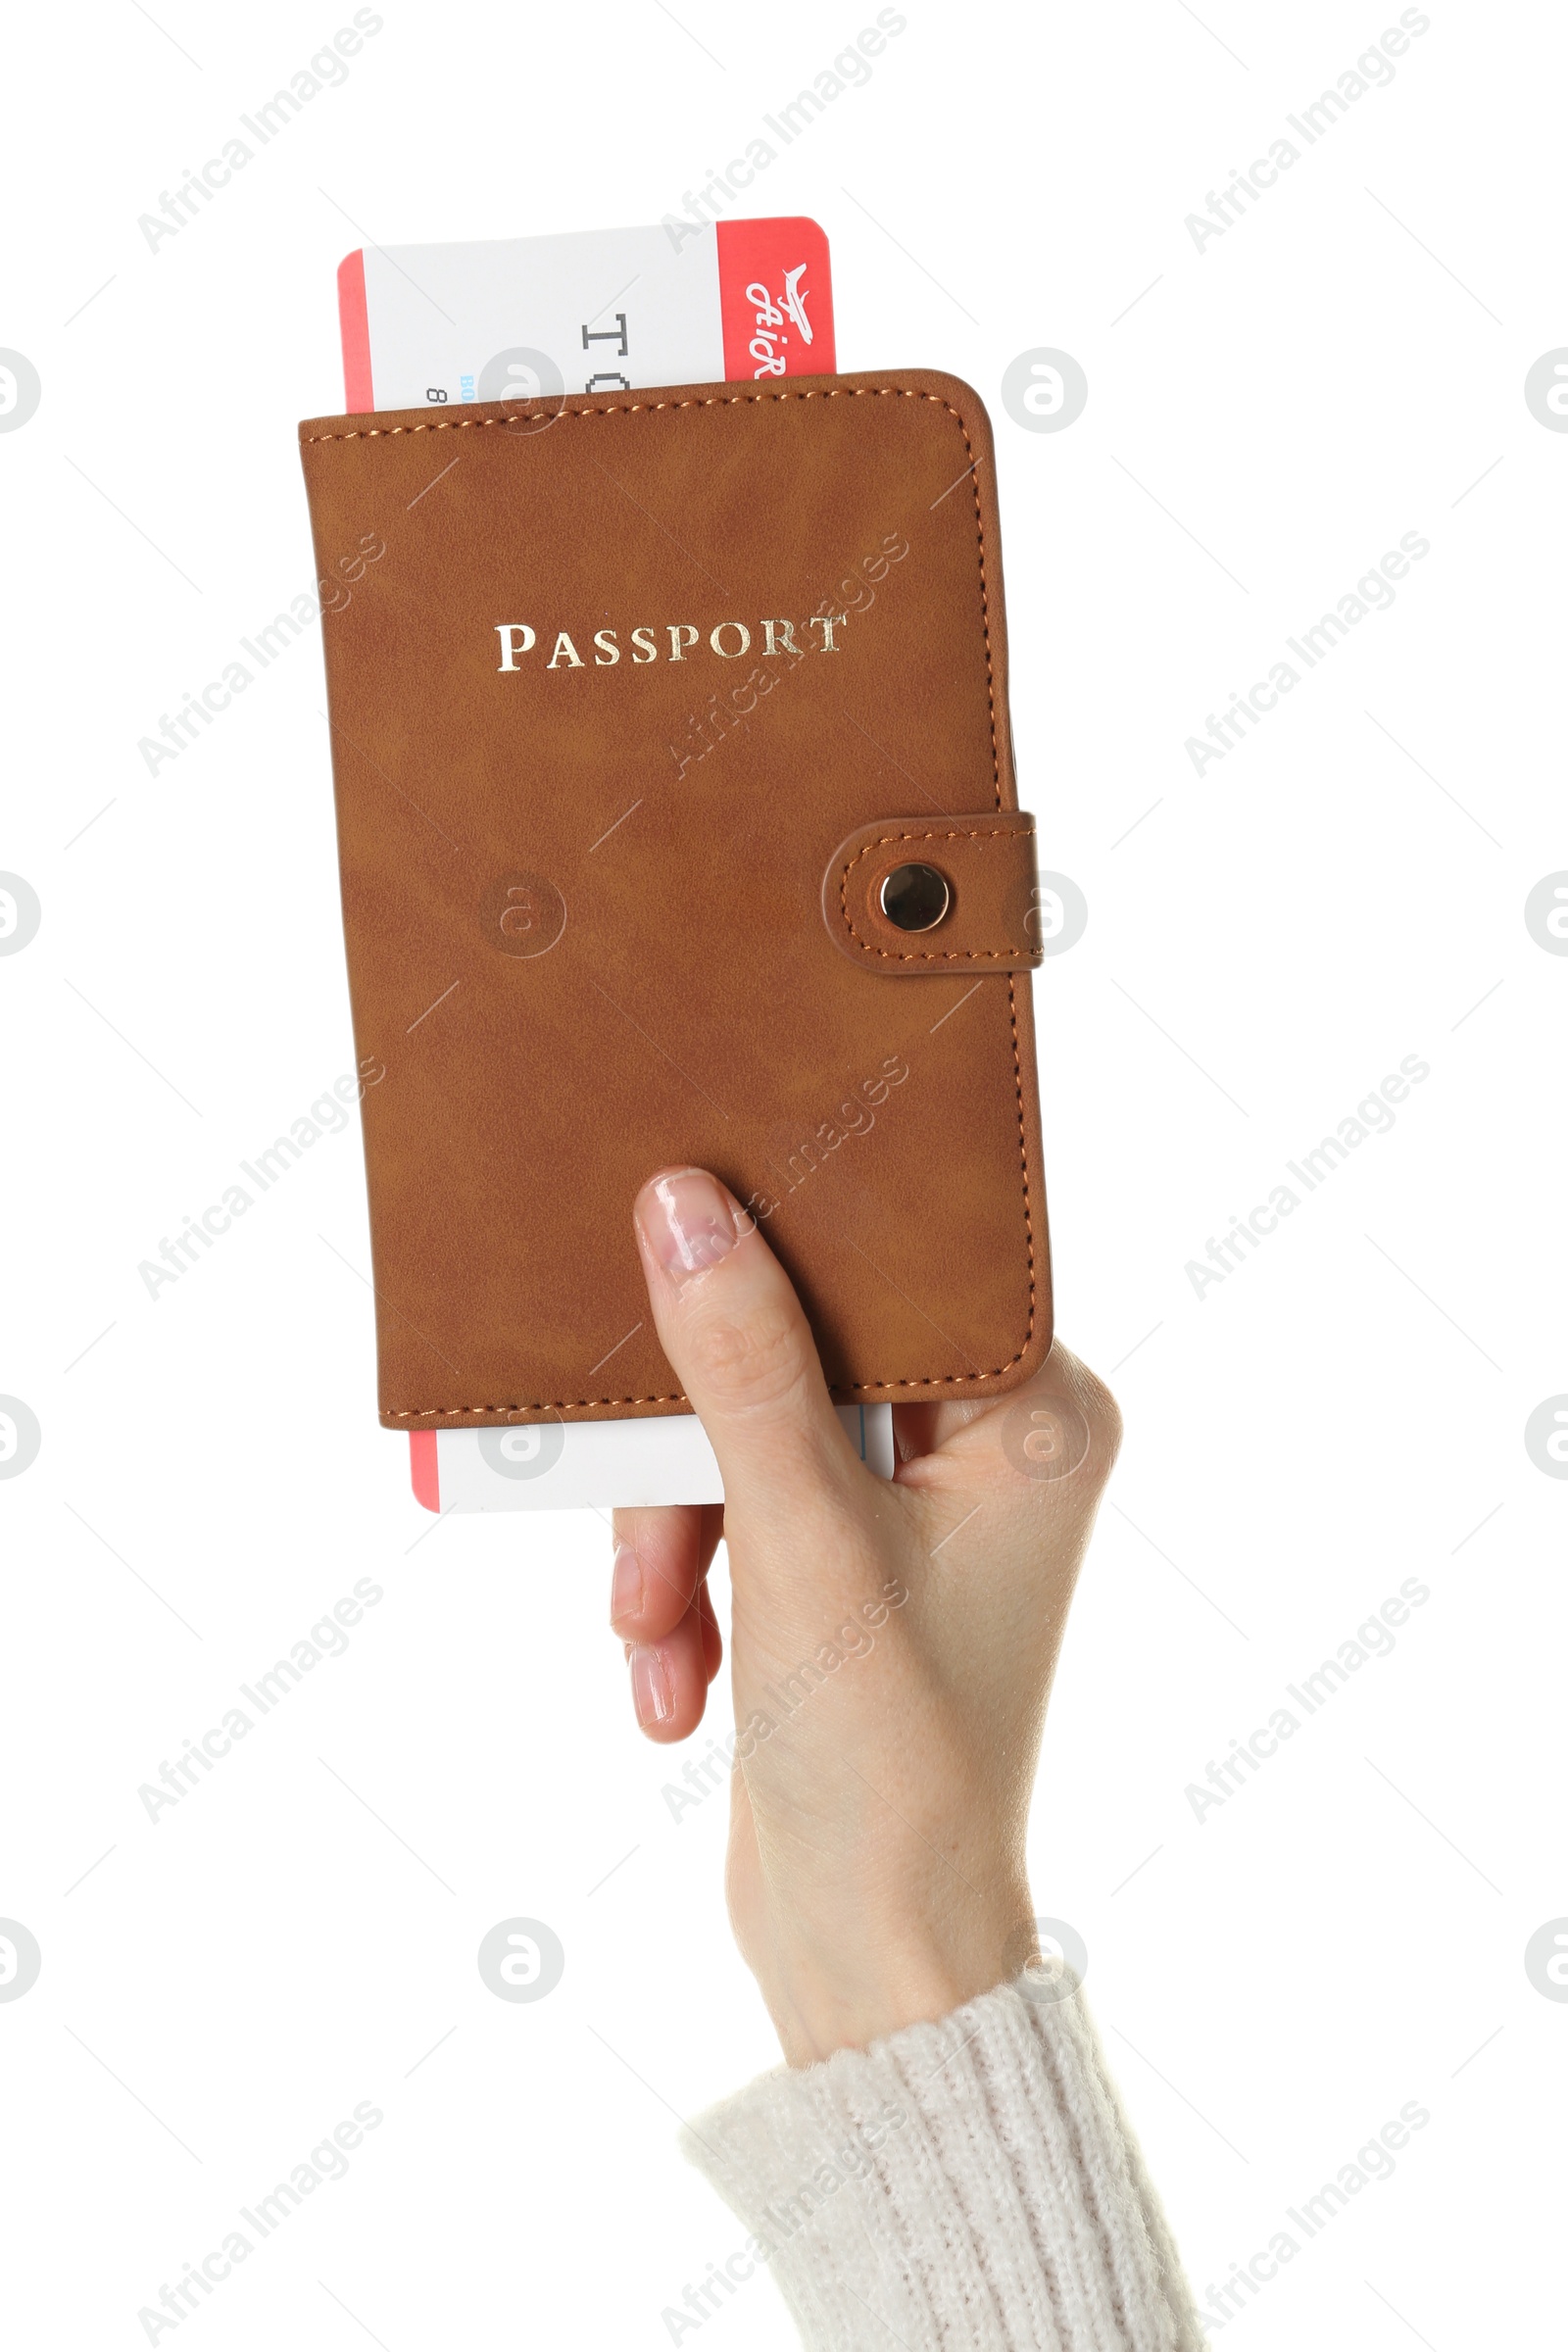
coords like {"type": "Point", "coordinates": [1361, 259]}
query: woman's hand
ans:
{"type": "Point", "coordinates": [892, 1645]}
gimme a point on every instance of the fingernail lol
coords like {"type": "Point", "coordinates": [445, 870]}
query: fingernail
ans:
{"type": "Point", "coordinates": [689, 1222]}
{"type": "Point", "coordinates": [651, 1693]}
{"type": "Point", "coordinates": [625, 1585]}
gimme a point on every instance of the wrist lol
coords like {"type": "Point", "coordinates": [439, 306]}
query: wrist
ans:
{"type": "Point", "coordinates": [827, 1993]}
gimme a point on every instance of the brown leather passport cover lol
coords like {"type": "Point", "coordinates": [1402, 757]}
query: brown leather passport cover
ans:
{"type": "Point", "coordinates": [635, 701]}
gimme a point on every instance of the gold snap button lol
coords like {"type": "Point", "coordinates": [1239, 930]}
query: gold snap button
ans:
{"type": "Point", "coordinates": [915, 898]}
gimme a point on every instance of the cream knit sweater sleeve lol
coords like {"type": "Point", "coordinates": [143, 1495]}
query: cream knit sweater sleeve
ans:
{"type": "Point", "coordinates": [965, 2186]}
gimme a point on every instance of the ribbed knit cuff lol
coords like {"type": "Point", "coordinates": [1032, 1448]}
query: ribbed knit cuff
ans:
{"type": "Point", "coordinates": [965, 2186]}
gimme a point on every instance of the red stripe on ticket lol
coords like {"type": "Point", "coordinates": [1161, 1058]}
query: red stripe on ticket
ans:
{"type": "Point", "coordinates": [355, 327]}
{"type": "Point", "coordinates": [425, 1464]}
{"type": "Point", "coordinates": [776, 296]}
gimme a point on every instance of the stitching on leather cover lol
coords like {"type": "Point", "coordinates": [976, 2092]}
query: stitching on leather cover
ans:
{"type": "Point", "coordinates": [859, 1387]}
{"type": "Point", "coordinates": [628, 407]}
{"type": "Point", "coordinates": [869, 946]}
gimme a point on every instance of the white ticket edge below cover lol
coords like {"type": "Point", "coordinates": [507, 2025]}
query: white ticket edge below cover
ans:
{"type": "Point", "coordinates": [563, 1465]}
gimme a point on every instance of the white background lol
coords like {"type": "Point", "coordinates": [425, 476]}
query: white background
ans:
{"type": "Point", "coordinates": [1347, 1932]}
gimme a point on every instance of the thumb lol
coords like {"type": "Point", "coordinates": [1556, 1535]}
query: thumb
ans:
{"type": "Point", "coordinates": [730, 1323]}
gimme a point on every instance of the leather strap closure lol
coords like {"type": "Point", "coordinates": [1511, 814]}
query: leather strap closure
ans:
{"type": "Point", "coordinates": [991, 917]}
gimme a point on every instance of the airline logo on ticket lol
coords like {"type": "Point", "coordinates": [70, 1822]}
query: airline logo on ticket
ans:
{"type": "Point", "coordinates": [600, 311]}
